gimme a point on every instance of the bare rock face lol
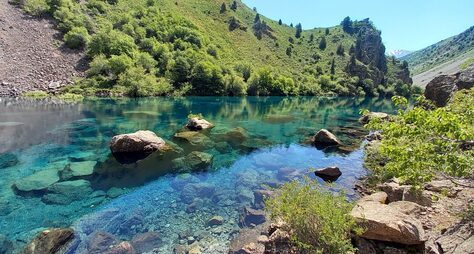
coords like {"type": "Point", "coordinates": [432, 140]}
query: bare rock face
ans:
{"type": "Point", "coordinates": [441, 89]}
{"type": "Point", "coordinates": [324, 138]}
{"type": "Point", "coordinates": [386, 223]}
{"type": "Point", "coordinates": [458, 239]}
{"type": "Point", "coordinates": [329, 174]}
{"type": "Point", "coordinates": [49, 241]}
{"type": "Point", "coordinates": [128, 148]}
{"type": "Point", "coordinates": [197, 124]}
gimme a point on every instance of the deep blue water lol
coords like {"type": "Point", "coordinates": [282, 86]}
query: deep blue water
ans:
{"type": "Point", "coordinates": [149, 196]}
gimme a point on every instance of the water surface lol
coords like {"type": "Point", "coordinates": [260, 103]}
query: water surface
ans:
{"type": "Point", "coordinates": [256, 142]}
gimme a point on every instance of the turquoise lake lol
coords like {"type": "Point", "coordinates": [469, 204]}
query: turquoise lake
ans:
{"type": "Point", "coordinates": [257, 142]}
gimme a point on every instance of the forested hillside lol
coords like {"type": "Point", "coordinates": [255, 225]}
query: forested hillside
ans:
{"type": "Point", "coordinates": [215, 47]}
{"type": "Point", "coordinates": [441, 52]}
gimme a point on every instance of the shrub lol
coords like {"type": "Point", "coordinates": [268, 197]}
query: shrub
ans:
{"type": "Point", "coordinates": [418, 144]}
{"type": "Point", "coordinates": [36, 7]}
{"type": "Point", "coordinates": [111, 43]}
{"type": "Point", "coordinates": [207, 79]}
{"type": "Point", "coordinates": [318, 220]}
{"type": "Point", "coordinates": [36, 94]}
{"type": "Point", "coordinates": [138, 83]}
{"type": "Point", "coordinates": [235, 85]}
{"type": "Point", "coordinates": [78, 37]}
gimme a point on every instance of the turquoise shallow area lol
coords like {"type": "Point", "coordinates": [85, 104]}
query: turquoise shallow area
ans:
{"type": "Point", "coordinates": [150, 196]}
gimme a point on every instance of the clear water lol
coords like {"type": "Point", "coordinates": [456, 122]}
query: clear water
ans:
{"type": "Point", "coordinates": [150, 196]}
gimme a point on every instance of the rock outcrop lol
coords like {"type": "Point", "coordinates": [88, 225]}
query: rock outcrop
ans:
{"type": "Point", "coordinates": [324, 138]}
{"type": "Point", "coordinates": [50, 241]}
{"type": "Point", "coordinates": [441, 89]}
{"type": "Point", "coordinates": [329, 174]}
{"type": "Point", "coordinates": [128, 148]}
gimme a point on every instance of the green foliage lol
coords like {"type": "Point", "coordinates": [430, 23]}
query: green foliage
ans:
{"type": "Point", "coordinates": [36, 94]}
{"type": "Point", "coordinates": [265, 82]}
{"type": "Point", "coordinates": [418, 144]}
{"type": "Point", "coordinates": [198, 115]}
{"type": "Point", "coordinates": [468, 62]}
{"type": "Point", "coordinates": [77, 37]}
{"type": "Point", "coordinates": [322, 43]}
{"type": "Point", "coordinates": [235, 85]}
{"type": "Point", "coordinates": [36, 7]}
{"type": "Point", "coordinates": [318, 219]}
{"type": "Point", "coordinates": [137, 83]}
{"type": "Point", "coordinates": [299, 30]}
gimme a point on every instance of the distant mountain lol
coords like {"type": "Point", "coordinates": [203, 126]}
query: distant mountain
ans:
{"type": "Point", "coordinates": [398, 53]}
{"type": "Point", "coordinates": [442, 52]}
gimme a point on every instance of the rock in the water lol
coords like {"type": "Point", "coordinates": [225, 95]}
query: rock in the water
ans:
{"type": "Point", "coordinates": [8, 160]}
{"type": "Point", "coordinates": [146, 242]}
{"type": "Point", "coordinates": [115, 192]}
{"type": "Point", "coordinates": [329, 174]}
{"type": "Point", "coordinates": [77, 169]}
{"type": "Point", "coordinates": [128, 148]}
{"type": "Point", "coordinates": [193, 161]}
{"type": "Point", "coordinates": [197, 124]}
{"type": "Point", "coordinates": [194, 139]}
{"type": "Point", "coordinates": [50, 241]}
{"type": "Point", "coordinates": [441, 89]}
{"type": "Point", "coordinates": [6, 246]}
{"type": "Point", "coordinates": [38, 181]}
{"type": "Point", "coordinates": [373, 115]}
{"type": "Point", "coordinates": [197, 190]}
{"type": "Point", "coordinates": [252, 217]}
{"type": "Point", "coordinates": [324, 138]}
{"type": "Point", "coordinates": [215, 221]}
{"type": "Point", "coordinates": [121, 248]}
{"type": "Point", "coordinates": [278, 119]}
{"type": "Point", "coordinates": [67, 192]}
{"type": "Point", "coordinates": [100, 242]}
{"type": "Point", "coordinates": [386, 223]}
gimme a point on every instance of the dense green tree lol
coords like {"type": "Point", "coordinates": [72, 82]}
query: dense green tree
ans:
{"type": "Point", "coordinates": [352, 50]}
{"type": "Point", "coordinates": [322, 43]}
{"type": "Point", "coordinates": [280, 22]}
{"type": "Point", "coordinates": [333, 67]}
{"type": "Point", "coordinates": [291, 25]}
{"type": "Point", "coordinates": [245, 70]}
{"type": "Point", "coordinates": [340, 50]}
{"type": "Point", "coordinates": [257, 19]}
{"type": "Point", "coordinates": [78, 37]}
{"type": "Point", "coordinates": [405, 65]}
{"type": "Point", "coordinates": [234, 6]}
{"type": "Point", "coordinates": [327, 31]}
{"type": "Point", "coordinates": [299, 29]}
{"type": "Point", "coordinates": [223, 8]}
{"type": "Point", "coordinates": [207, 79]}
{"type": "Point", "coordinates": [311, 37]}
{"type": "Point", "coordinates": [288, 51]}
{"type": "Point", "coordinates": [233, 24]}
{"type": "Point", "coordinates": [347, 25]}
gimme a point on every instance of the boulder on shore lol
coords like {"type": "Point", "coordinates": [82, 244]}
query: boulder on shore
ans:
{"type": "Point", "coordinates": [373, 115]}
{"type": "Point", "coordinates": [386, 223]}
{"type": "Point", "coordinates": [50, 241]}
{"type": "Point", "coordinates": [197, 124]}
{"type": "Point", "coordinates": [129, 148]}
{"type": "Point", "coordinates": [324, 138]}
{"type": "Point", "coordinates": [329, 174]}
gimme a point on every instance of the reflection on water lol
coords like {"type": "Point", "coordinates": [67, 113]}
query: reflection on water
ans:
{"type": "Point", "coordinates": [256, 141]}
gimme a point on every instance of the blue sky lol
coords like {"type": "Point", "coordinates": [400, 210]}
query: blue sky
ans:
{"type": "Point", "coordinates": [405, 24]}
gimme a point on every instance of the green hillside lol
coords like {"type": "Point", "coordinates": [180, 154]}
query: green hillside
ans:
{"type": "Point", "coordinates": [210, 47]}
{"type": "Point", "coordinates": [441, 52]}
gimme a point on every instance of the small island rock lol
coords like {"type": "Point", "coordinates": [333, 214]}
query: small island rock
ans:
{"type": "Point", "coordinates": [197, 124]}
{"type": "Point", "coordinates": [325, 138]}
{"type": "Point", "coordinates": [329, 174]}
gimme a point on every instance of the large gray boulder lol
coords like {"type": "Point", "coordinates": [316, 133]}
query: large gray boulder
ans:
{"type": "Point", "coordinates": [386, 223]}
{"type": "Point", "coordinates": [441, 89]}
{"type": "Point", "coordinates": [197, 124]}
{"type": "Point", "coordinates": [140, 141]}
{"type": "Point", "coordinates": [458, 239]}
{"type": "Point", "coordinates": [325, 138]}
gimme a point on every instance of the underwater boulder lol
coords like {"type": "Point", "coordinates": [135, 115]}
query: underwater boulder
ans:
{"type": "Point", "coordinates": [329, 174]}
{"type": "Point", "coordinates": [128, 148]}
{"type": "Point", "coordinates": [38, 181]}
{"type": "Point", "coordinates": [197, 124]}
{"type": "Point", "coordinates": [66, 192]}
{"type": "Point", "coordinates": [197, 190]}
{"type": "Point", "coordinates": [181, 180]}
{"type": "Point", "coordinates": [8, 160]}
{"type": "Point", "coordinates": [278, 119]}
{"type": "Point", "coordinates": [146, 242]}
{"type": "Point", "coordinates": [194, 139]}
{"type": "Point", "coordinates": [252, 217]}
{"type": "Point", "coordinates": [50, 241]}
{"type": "Point", "coordinates": [215, 221]}
{"type": "Point", "coordinates": [100, 242]}
{"type": "Point", "coordinates": [234, 137]}
{"type": "Point", "coordinates": [77, 169]}
{"type": "Point", "coordinates": [6, 246]}
{"type": "Point", "coordinates": [325, 138]}
{"type": "Point", "coordinates": [193, 161]}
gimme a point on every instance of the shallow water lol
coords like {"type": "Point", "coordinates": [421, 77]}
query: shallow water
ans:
{"type": "Point", "coordinates": [267, 148]}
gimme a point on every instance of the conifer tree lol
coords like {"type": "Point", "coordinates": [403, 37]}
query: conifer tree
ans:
{"type": "Point", "coordinates": [327, 31]}
{"type": "Point", "coordinates": [234, 6]}
{"type": "Point", "coordinates": [280, 22]}
{"type": "Point", "coordinates": [347, 25]}
{"type": "Point", "coordinates": [223, 8]}
{"type": "Point", "coordinates": [333, 67]}
{"type": "Point", "coordinates": [311, 38]}
{"type": "Point", "coordinates": [322, 43]}
{"type": "Point", "coordinates": [340, 50]}
{"type": "Point", "coordinates": [257, 18]}
{"type": "Point", "coordinates": [288, 51]}
{"type": "Point", "coordinates": [299, 29]}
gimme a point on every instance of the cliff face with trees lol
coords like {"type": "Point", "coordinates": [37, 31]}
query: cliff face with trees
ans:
{"type": "Point", "coordinates": [150, 47]}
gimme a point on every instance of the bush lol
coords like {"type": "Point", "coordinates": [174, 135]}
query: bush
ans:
{"type": "Point", "coordinates": [111, 43]}
{"type": "Point", "coordinates": [36, 7]}
{"type": "Point", "coordinates": [418, 144]}
{"type": "Point", "coordinates": [318, 220]}
{"type": "Point", "coordinates": [137, 83]}
{"type": "Point", "coordinates": [235, 85]}
{"type": "Point", "coordinates": [36, 94]}
{"type": "Point", "coordinates": [78, 37]}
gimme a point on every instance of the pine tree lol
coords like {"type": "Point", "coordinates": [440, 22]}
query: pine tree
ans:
{"type": "Point", "coordinates": [288, 51]}
{"type": "Point", "coordinates": [340, 50]}
{"type": "Point", "coordinates": [347, 25]}
{"type": "Point", "coordinates": [257, 18]}
{"type": "Point", "coordinates": [322, 43]}
{"type": "Point", "coordinates": [234, 6]}
{"type": "Point", "coordinates": [311, 38]}
{"type": "Point", "coordinates": [291, 25]}
{"type": "Point", "coordinates": [352, 50]}
{"type": "Point", "coordinates": [327, 31]}
{"type": "Point", "coordinates": [233, 24]}
{"type": "Point", "coordinates": [223, 8]}
{"type": "Point", "coordinates": [299, 29]}
{"type": "Point", "coordinates": [333, 67]}
{"type": "Point", "coordinates": [280, 22]}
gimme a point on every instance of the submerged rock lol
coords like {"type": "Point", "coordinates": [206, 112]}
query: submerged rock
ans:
{"type": "Point", "coordinates": [193, 161]}
{"type": "Point", "coordinates": [197, 124]}
{"type": "Point", "coordinates": [38, 181]}
{"type": "Point", "coordinates": [50, 241]}
{"type": "Point", "coordinates": [197, 190]}
{"type": "Point", "coordinates": [324, 138]}
{"type": "Point", "coordinates": [6, 246]}
{"type": "Point", "coordinates": [194, 139]}
{"type": "Point", "coordinates": [329, 174]}
{"type": "Point", "coordinates": [252, 217]}
{"type": "Point", "coordinates": [121, 248]}
{"type": "Point", "coordinates": [385, 223]}
{"type": "Point", "coordinates": [115, 192]}
{"type": "Point", "coordinates": [215, 221]}
{"type": "Point", "coordinates": [278, 119]}
{"type": "Point", "coordinates": [67, 192]}
{"type": "Point", "coordinates": [146, 242]}
{"type": "Point", "coordinates": [8, 160]}
{"type": "Point", "coordinates": [234, 137]}
{"type": "Point", "coordinates": [100, 242]}
{"type": "Point", "coordinates": [128, 148]}
{"type": "Point", "coordinates": [77, 169]}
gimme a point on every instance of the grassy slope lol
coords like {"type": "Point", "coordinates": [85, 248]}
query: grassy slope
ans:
{"type": "Point", "coordinates": [441, 52]}
{"type": "Point", "coordinates": [243, 46]}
